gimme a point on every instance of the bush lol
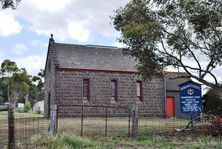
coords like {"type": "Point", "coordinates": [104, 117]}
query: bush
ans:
{"type": "Point", "coordinates": [27, 106]}
{"type": "Point", "coordinates": [39, 111]}
{"type": "Point", "coordinates": [19, 110]}
{"type": "Point", "coordinates": [212, 102]}
{"type": "Point", "coordinates": [216, 126]}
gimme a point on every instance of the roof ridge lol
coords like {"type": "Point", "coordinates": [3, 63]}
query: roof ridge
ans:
{"type": "Point", "coordinates": [88, 45]}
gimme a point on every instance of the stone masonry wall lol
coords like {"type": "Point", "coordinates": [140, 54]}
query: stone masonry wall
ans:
{"type": "Point", "coordinates": [49, 84]}
{"type": "Point", "coordinates": [69, 88]}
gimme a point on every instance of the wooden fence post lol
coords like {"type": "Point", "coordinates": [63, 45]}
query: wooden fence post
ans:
{"type": "Point", "coordinates": [11, 129]}
{"type": "Point", "coordinates": [134, 121]}
{"type": "Point", "coordinates": [53, 120]}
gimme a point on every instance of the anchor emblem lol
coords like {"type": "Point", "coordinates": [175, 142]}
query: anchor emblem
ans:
{"type": "Point", "coordinates": [190, 91]}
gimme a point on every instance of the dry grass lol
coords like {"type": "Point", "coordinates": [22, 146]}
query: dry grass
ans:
{"type": "Point", "coordinates": [117, 127]}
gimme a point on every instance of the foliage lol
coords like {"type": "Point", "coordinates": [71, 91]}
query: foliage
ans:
{"type": "Point", "coordinates": [212, 102]}
{"type": "Point", "coordinates": [9, 3]}
{"type": "Point", "coordinates": [39, 111]}
{"type": "Point", "coordinates": [8, 66]}
{"type": "Point", "coordinates": [27, 106]}
{"type": "Point", "coordinates": [216, 127]}
{"type": "Point", "coordinates": [36, 88]}
{"type": "Point", "coordinates": [17, 86]}
{"type": "Point", "coordinates": [3, 90]}
{"type": "Point", "coordinates": [161, 33]}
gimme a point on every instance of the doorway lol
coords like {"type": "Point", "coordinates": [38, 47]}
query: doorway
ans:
{"type": "Point", "coordinates": [170, 106]}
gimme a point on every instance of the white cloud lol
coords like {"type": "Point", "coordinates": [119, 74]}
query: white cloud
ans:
{"type": "Point", "coordinates": [32, 64]}
{"type": "Point", "coordinates": [75, 20]}
{"type": "Point", "coordinates": [78, 32]}
{"type": "Point", "coordinates": [49, 5]}
{"type": "Point", "coordinates": [19, 49]}
{"type": "Point", "coordinates": [119, 45]}
{"type": "Point", "coordinates": [8, 25]}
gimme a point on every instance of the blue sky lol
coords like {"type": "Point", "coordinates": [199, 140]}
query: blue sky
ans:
{"type": "Point", "coordinates": [25, 31]}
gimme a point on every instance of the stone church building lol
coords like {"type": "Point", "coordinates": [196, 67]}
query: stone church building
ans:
{"type": "Point", "coordinates": [98, 75]}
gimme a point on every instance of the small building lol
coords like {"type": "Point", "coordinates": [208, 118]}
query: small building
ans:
{"type": "Point", "coordinates": [38, 106]}
{"type": "Point", "coordinates": [97, 75]}
{"type": "Point", "coordinates": [173, 81]}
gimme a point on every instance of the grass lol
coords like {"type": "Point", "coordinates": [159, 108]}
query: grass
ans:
{"type": "Point", "coordinates": [4, 115]}
{"type": "Point", "coordinates": [67, 141]}
{"type": "Point", "coordinates": [157, 133]}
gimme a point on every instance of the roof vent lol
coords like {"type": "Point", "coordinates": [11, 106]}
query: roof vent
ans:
{"type": "Point", "coordinates": [101, 46]}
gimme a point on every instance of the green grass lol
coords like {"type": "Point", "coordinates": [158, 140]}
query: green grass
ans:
{"type": "Point", "coordinates": [157, 133]}
{"type": "Point", "coordinates": [4, 115]}
{"type": "Point", "coordinates": [67, 141]}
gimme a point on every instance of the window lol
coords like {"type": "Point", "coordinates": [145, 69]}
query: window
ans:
{"type": "Point", "coordinates": [113, 91]}
{"type": "Point", "coordinates": [139, 91]}
{"type": "Point", "coordinates": [86, 90]}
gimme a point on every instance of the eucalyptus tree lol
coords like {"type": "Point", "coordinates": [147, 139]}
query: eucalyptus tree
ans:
{"type": "Point", "coordinates": [182, 33]}
{"type": "Point", "coordinates": [9, 4]}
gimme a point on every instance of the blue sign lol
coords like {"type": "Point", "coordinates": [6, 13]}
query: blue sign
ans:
{"type": "Point", "coordinates": [190, 97]}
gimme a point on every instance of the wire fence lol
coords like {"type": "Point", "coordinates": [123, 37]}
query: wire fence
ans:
{"type": "Point", "coordinates": [91, 120]}
{"type": "Point", "coordinates": [25, 126]}
{"type": "Point", "coordinates": [101, 121]}
{"type": "Point", "coordinates": [183, 127]}
{"type": "Point", "coordinates": [3, 129]}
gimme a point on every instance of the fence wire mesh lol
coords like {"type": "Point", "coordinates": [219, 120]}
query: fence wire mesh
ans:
{"type": "Point", "coordinates": [94, 120]}
{"type": "Point", "coordinates": [3, 129]}
{"type": "Point", "coordinates": [25, 125]}
{"type": "Point", "coordinates": [101, 121]}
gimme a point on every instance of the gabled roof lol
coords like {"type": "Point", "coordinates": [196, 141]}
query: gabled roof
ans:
{"type": "Point", "coordinates": [92, 57]}
{"type": "Point", "coordinates": [173, 80]}
{"type": "Point", "coordinates": [189, 81]}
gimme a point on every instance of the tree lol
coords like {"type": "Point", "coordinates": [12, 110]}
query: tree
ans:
{"type": "Point", "coordinates": [18, 87]}
{"type": "Point", "coordinates": [14, 83]}
{"type": "Point", "coordinates": [36, 88]}
{"type": "Point", "coordinates": [212, 102]}
{"type": "Point", "coordinates": [8, 67]}
{"type": "Point", "coordinates": [161, 33]}
{"type": "Point", "coordinates": [9, 3]}
{"type": "Point", "coordinates": [3, 90]}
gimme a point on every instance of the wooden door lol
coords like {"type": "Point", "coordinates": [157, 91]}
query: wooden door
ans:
{"type": "Point", "coordinates": [170, 107]}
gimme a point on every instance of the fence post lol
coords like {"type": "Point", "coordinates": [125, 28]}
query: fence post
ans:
{"type": "Point", "coordinates": [106, 122]}
{"type": "Point", "coordinates": [53, 120]}
{"type": "Point", "coordinates": [134, 131]}
{"type": "Point", "coordinates": [11, 129]}
{"type": "Point", "coordinates": [81, 121]}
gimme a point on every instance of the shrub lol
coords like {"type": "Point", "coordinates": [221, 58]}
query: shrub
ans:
{"type": "Point", "coordinates": [212, 102]}
{"type": "Point", "coordinates": [39, 111]}
{"type": "Point", "coordinates": [216, 126]}
{"type": "Point", "coordinates": [19, 110]}
{"type": "Point", "coordinates": [27, 106]}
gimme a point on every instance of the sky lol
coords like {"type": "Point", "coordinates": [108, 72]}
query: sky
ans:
{"type": "Point", "coordinates": [25, 31]}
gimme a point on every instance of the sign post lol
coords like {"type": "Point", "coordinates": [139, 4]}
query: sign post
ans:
{"type": "Point", "coordinates": [190, 98]}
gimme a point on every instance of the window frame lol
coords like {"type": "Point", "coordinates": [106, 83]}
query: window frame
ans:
{"type": "Point", "coordinates": [114, 99]}
{"type": "Point", "coordinates": [140, 97]}
{"type": "Point", "coordinates": [87, 100]}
